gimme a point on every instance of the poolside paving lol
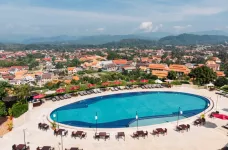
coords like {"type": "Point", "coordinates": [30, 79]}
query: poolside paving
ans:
{"type": "Point", "coordinates": [198, 138]}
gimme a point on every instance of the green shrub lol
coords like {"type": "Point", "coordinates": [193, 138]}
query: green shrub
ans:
{"type": "Point", "coordinates": [2, 109]}
{"type": "Point", "coordinates": [176, 83]}
{"type": "Point", "coordinates": [18, 109]}
{"type": "Point", "coordinates": [225, 88]}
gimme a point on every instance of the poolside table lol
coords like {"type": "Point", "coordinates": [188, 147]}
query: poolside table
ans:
{"type": "Point", "coordinates": [183, 126]}
{"type": "Point", "coordinates": [60, 131]}
{"type": "Point", "coordinates": [46, 148]}
{"type": "Point", "coordinates": [80, 134]}
{"type": "Point", "coordinates": [121, 134]}
{"type": "Point", "coordinates": [21, 147]}
{"type": "Point", "coordinates": [159, 130]}
{"type": "Point", "coordinates": [74, 148]}
{"type": "Point", "coordinates": [102, 135]}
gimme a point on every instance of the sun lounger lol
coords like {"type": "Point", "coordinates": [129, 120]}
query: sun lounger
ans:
{"type": "Point", "coordinates": [99, 90]}
{"type": "Point", "coordinates": [116, 89]}
{"type": "Point", "coordinates": [57, 98]}
{"type": "Point", "coordinates": [61, 97]}
{"type": "Point", "coordinates": [225, 126]}
{"type": "Point", "coordinates": [84, 93]}
{"type": "Point", "coordinates": [88, 92]}
{"type": "Point", "coordinates": [127, 87]}
{"type": "Point", "coordinates": [68, 95]}
{"type": "Point", "coordinates": [143, 87]}
{"type": "Point", "coordinates": [65, 96]}
{"type": "Point", "coordinates": [53, 99]}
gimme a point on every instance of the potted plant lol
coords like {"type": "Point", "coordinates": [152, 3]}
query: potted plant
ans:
{"type": "Point", "coordinates": [10, 126]}
{"type": "Point", "coordinates": [10, 112]}
{"type": "Point", "coordinates": [53, 125]}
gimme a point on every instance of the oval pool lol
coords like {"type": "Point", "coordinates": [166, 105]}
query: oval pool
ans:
{"type": "Point", "coordinates": [119, 110]}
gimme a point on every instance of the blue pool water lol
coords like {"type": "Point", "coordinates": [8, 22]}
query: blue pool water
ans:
{"type": "Point", "coordinates": [119, 110]}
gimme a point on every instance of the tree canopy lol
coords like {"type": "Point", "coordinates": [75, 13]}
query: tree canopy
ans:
{"type": "Point", "coordinates": [202, 75]}
{"type": "Point", "coordinates": [221, 81]}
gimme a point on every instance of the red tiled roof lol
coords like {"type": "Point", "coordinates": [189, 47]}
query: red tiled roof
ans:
{"type": "Point", "coordinates": [158, 67]}
{"type": "Point", "coordinates": [120, 61]}
{"type": "Point", "coordinates": [179, 68]}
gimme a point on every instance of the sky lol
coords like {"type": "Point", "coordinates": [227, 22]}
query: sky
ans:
{"type": "Point", "coordinates": [92, 17]}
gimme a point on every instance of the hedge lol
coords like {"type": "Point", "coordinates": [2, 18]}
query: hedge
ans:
{"type": "Point", "coordinates": [2, 109]}
{"type": "Point", "coordinates": [18, 109]}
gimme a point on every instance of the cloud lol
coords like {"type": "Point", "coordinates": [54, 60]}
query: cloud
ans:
{"type": "Point", "coordinates": [146, 26]}
{"type": "Point", "coordinates": [157, 28]}
{"type": "Point", "coordinates": [227, 27]}
{"type": "Point", "coordinates": [100, 29]}
{"type": "Point", "coordinates": [179, 28]}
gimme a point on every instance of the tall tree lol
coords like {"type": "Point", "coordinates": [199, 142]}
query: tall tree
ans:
{"type": "Point", "coordinates": [202, 75]}
{"type": "Point", "coordinates": [23, 91]}
{"type": "Point", "coordinates": [172, 75]}
{"type": "Point", "coordinates": [4, 87]}
{"type": "Point", "coordinates": [221, 81]}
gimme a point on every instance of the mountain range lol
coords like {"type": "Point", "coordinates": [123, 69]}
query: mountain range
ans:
{"type": "Point", "coordinates": [102, 39]}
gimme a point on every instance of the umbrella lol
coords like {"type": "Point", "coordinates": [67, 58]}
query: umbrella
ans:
{"type": "Point", "coordinates": [74, 88]}
{"type": "Point", "coordinates": [132, 81]}
{"type": "Point", "coordinates": [60, 90]}
{"type": "Point", "coordinates": [50, 92]}
{"type": "Point", "coordinates": [158, 81]}
{"type": "Point", "coordinates": [39, 96]}
{"type": "Point", "coordinates": [144, 81]}
{"type": "Point", "coordinates": [210, 85]}
{"type": "Point", "coordinates": [117, 82]}
{"type": "Point", "coordinates": [90, 85]}
{"type": "Point", "coordinates": [220, 116]}
{"type": "Point", "coordinates": [105, 83]}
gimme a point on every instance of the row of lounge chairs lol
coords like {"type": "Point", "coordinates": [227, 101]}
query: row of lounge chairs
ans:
{"type": "Point", "coordinates": [88, 92]}
{"type": "Point", "coordinates": [62, 97]}
{"type": "Point", "coordinates": [150, 86]}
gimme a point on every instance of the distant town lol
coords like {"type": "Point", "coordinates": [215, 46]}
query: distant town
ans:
{"type": "Point", "coordinates": [39, 68]}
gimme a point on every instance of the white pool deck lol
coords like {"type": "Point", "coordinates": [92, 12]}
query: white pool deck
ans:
{"type": "Point", "coordinates": [198, 138]}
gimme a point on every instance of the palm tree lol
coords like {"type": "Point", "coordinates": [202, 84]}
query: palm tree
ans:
{"type": "Point", "coordinates": [22, 91]}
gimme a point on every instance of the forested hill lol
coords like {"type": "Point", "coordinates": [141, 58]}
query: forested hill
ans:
{"type": "Point", "coordinates": [191, 39]}
{"type": "Point", "coordinates": [140, 43]}
{"type": "Point", "coordinates": [183, 39]}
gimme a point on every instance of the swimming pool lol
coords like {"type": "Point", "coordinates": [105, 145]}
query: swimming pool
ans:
{"type": "Point", "coordinates": [119, 110]}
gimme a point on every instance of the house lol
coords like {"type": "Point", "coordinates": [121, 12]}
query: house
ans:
{"type": "Point", "coordinates": [159, 67]}
{"type": "Point", "coordinates": [216, 59]}
{"type": "Point", "coordinates": [189, 65]}
{"type": "Point", "coordinates": [20, 67]}
{"type": "Point", "coordinates": [129, 68]}
{"type": "Point", "coordinates": [120, 62]}
{"type": "Point", "coordinates": [4, 70]}
{"type": "Point", "coordinates": [46, 77]}
{"type": "Point", "coordinates": [220, 74]}
{"type": "Point", "coordinates": [109, 67]}
{"type": "Point", "coordinates": [75, 78]}
{"type": "Point", "coordinates": [213, 65]}
{"type": "Point", "coordinates": [179, 69]}
{"type": "Point", "coordinates": [16, 82]}
{"type": "Point", "coordinates": [71, 70]}
{"type": "Point", "coordinates": [160, 73]}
